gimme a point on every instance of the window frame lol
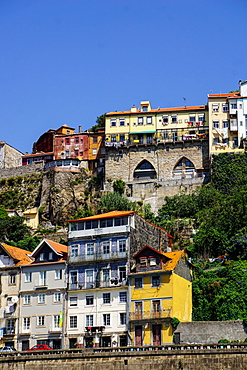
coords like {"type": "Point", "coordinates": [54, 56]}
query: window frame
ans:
{"type": "Point", "coordinates": [138, 282]}
{"type": "Point", "coordinates": [73, 322]}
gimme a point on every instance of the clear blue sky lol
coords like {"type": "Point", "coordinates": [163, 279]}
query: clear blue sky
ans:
{"type": "Point", "coordinates": [69, 61]}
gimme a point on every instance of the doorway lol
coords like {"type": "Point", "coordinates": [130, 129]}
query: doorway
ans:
{"type": "Point", "coordinates": [156, 335]}
{"type": "Point", "coordinates": [138, 335]}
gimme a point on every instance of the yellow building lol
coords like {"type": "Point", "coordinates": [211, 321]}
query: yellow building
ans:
{"type": "Point", "coordinates": [146, 125]}
{"type": "Point", "coordinates": [31, 217]}
{"type": "Point", "coordinates": [223, 123]}
{"type": "Point", "coordinates": [160, 289]}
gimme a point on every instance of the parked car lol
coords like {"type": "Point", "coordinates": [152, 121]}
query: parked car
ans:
{"type": "Point", "coordinates": [7, 349]}
{"type": "Point", "coordinates": [40, 347]}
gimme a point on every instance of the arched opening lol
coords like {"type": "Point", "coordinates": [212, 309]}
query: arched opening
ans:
{"type": "Point", "coordinates": [145, 170]}
{"type": "Point", "coordinates": [184, 167]}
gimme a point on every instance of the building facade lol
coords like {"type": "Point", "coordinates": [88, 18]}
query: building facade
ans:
{"type": "Point", "coordinates": [9, 156]}
{"type": "Point", "coordinates": [100, 250]}
{"type": "Point", "coordinates": [43, 297]}
{"type": "Point", "coordinates": [160, 289]}
{"type": "Point", "coordinates": [11, 260]}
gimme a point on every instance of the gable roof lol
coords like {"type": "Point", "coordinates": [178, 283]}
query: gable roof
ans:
{"type": "Point", "coordinates": [145, 247]}
{"type": "Point", "coordinates": [58, 248]}
{"type": "Point", "coordinates": [174, 258]}
{"type": "Point", "coordinates": [20, 256]}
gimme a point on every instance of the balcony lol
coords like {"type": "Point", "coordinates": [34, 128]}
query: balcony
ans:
{"type": "Point", "coordinates": [99, 256]}
{"type": "Point", "coordinates": [150, 315]}
{"type": "Point", "coordinates": [97, 284]}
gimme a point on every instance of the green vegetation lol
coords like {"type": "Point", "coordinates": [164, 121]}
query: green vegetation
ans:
{"type": "Point", "coordinates": [218, 212]}
{"type": "Point", "coordinates": [119, 186]}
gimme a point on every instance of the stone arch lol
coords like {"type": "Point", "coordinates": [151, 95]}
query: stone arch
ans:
{"type": "Point", "coordinates": [184, 167]}
{"type": "Point", "coordinates": [145, 170]}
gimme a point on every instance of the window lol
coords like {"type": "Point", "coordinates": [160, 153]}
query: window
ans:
{"type": "Point", "coordinates": [67, 163]}
{"type": "Point", "coordinates": [122, 297]}
{"type": "Point", "coordinates": [120, 221]}
{"type": "Point", "coordinates": [241, 123]}
{"type": "Point", "coordinates": [73, 322]}
{"type": "Point", "coordinates": [106, 247]}
{"type": "Point", "coordinates": [201, 118]}
{"type": "Point", "coordinates": [73, 301]}
{"type": "Point", "coordinates": [89, 300]}
{"type": "Point", "coordinates": [144, 108]}
{"type": "Point", "coordinates": [94, 151]}
{"type": "Point", "coordinates": [121, 137]}
{"type": "Point", "coordinates": [215, 124]}
{"type": "Point", "coordinates": [156, 306]}
{"type": "Point", "coordinates": [155, 281]}
{"type": "Point", "coordinates": [152, 261]}
{"type": "Point", "coordinates": [121, 122]}
{"type": "Point", "coordinates": [67, 141]}
{"type": "Point", "coordinates": [113, 138]}
{"type": "Point", "coordinates": [107, 222]}
{"type": "Point", "coordinates": [26, 323]}
{"type": "Point", "coordinates": [89, 320]}
{"type": "Point", "coordinates": [225, 124]}
{"type": "Point", "coordinates": [73, 277]}
{"type": "Point", "coordinates": [74, 251]}
{"type": "Point", "coordinates": [216, 140]}
{"type": "Point", "coordinates": [140, 121]}
{"type": "Point", "coordinates": [27, 299]}
{"type": "Point", "coordinates": [28, 277]}
{"type": "Point", "coordinates": [122, 246]}
{"type": "Point", "coordinates": [113, 122]}
{"type": "Point", "coordinates": [51, 256]}
{"type": "Point", "coordinates": [165, 120]}
{"type": "Point", "coordinates": [234, 105]}
{"type": "Point", "coordinates": [138, 310]}
{"type": "Point", "coordinates": [106, 298]}
{"type": "Point", "coordinates": [225, 107]}
{"type": "Point", "coordinates": [77, 140]}
{"type": "Point", "coordinates": [192, 118]}
{"type": "Point", "coordinates": [56, 321]}
{"type": "Point", "coordinates": [41, 321]}
{"type": "Point", "coordinates": [58, 274]}
{"type": "Point", "coordinates": [122, 317]}
{"type": "Point", "coordinates": [106, 319]}
{"type": "Point", "coordinates": [122, 273]}
{"type": "Point", "coordinates": [149, 120]}
{"type": "Point", "coordinates": [138, 282]}
{"type": "Point", "coordinates": [57, 297]}
{"type": "Point", "coordinates": [143, 261]}
{"type": "Point", "coordinates": [41, 298]}
{"type": "Point", "coordinates": [89, 279]}
{"type": "Point", "coordinates": [90, 249]}
{"type": "Point", "coordinates": [105, 275]}
{"type": "Point", "coordinates": [42, 278]}
{"type": "Point", "coordinates": [12, 279]}
{"type": "Point", "coordinates": [10, 326]}
{"type": "Point", "coordinates": [174, 118]}
{"type": "Point", "coordinates": [95, 139]}
{"type": "Point", "coordinates": [42, 256]}
{"type": "Point", "coordinates": [215, 107]}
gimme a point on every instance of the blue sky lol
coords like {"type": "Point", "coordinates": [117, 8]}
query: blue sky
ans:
{"type": "Point", "coordinates": [69, 61]}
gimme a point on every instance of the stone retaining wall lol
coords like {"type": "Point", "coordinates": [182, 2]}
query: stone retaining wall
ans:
{"type": "Point", "coordinates": [5, 173]}
{"type": "Point", "coordinates": [150, 360]}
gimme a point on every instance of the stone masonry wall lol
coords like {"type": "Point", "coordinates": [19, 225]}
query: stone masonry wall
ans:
{"type": "Point", "coordinates": [122, 162]}
{"type": "Point", "coordinates": [211, 331]}
{"type": "Point", "coordinates": [218, 359]}
{"type": "Point", "coordinates": [147, 234]}
{"type": "Point", "coordinates": [21, 170]}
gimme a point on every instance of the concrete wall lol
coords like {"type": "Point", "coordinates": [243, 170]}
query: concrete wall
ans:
{"type": "Point", "coordinates": [211, 331]}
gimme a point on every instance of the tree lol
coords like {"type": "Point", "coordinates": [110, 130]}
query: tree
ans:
{"type": "Point", "coordinates": [100, 123]}
{"type": "Point", "coordinates": [13, 229]}
{"type": "Point", "coordinates": [115, 202]}
{"type": "Point", "coordinates": [119, 186]}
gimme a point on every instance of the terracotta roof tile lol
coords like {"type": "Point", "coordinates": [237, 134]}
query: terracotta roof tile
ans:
{"type": "Point", "coordinates": [174, 257]}
{"type": "Point", "coordinates": [21, 256]}
{"type": "Point", "coordinates": [195, 107]}
{"type": "Point", "coordinates": [60, 248]}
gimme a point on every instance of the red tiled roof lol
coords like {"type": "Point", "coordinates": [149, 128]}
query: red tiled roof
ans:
{"type": "Point", "coordinates": [106, 215]}
{"type": "Point", "coordinates": [138, 111]}
{"type": "Point", "coordinates": [60, 248]}
{"type": "Point", "coordinates": [235, 94]}
{"type": "Point", "coordinates": [21, 256]}
{"type": "Point", "coordinates": [174, 257]}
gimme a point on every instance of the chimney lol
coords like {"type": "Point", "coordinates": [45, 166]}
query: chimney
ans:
{"type": "Point", "coordinates": [80, 129]}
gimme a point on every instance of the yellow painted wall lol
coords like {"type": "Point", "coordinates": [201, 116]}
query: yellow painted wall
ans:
{"type": "Point", "coordinates": [182, 298]}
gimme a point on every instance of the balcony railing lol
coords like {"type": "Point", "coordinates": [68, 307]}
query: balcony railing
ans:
{"type": "Point", "coordinates": [148, 315]}
{"type": "Point", "coordinates": [97, 284]}
{"type": "Point", "coordinates": [99, 256]}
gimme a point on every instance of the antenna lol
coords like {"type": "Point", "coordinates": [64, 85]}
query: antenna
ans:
{"type": "Point", "coordinates": [184, 102]}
